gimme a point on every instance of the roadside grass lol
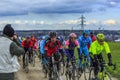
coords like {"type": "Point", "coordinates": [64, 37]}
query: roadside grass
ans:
{"type": "Point", "coordinates": [115, 52]}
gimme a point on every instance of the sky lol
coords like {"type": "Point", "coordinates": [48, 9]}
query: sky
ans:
{"type": "Point", "coordinates": [60, 14]}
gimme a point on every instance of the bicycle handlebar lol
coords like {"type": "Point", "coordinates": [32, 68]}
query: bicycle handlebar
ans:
{"type": "Point", "coordinates": [106, 64]}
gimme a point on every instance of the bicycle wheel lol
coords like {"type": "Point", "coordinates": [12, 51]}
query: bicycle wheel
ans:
{"type": "Point", "coordinates": [55, 73]}
{"type": "Point", "coordinates": [26, 62]}
{"type": "Point", "coordinates": [45, 71]}
{"type": "Point", "coordinates": [75, 75]}
{"type": "Point", "coordinates": [33, 59]}
{"type": "Point", "coordinates": [91, 74]}
{"type": "Point", "coordinates": [106, 76]}
{"type": "Point", "coordinates": [86, 70]}
{"type": "Point", "coordinates": [62, 68]}
{"type": "Point", "coordinates": [68, 74]}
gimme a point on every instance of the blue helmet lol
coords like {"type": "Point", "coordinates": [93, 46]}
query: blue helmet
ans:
{"type": "Point", "coordinates": [86, 32]}
{"type": "Point", "coordinates": [46, 36]}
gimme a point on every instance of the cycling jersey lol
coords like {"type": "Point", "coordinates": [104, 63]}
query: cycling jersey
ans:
{"type": "Point", "coordinates": [70, 48]}
{"type": "Point", "coordinates": [96, 48]}
{"type": "Point", "coordinates": [42, 45]}
{"type": "Point", "coordinates": [27, 44]}
{"type": "Point", "coordinates": [93, 37]}
{"type": "Point", "coordinates": [52, 47]}
{"type": "Point", "coordinates": [84, 41]}
{"type": "Point", "coordinates": [71, 45]}
{"type": "Point", "coordinates": [34, 43]}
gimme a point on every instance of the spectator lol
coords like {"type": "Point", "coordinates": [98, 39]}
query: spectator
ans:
{"type": "Point", "coordinates": [10, 48]}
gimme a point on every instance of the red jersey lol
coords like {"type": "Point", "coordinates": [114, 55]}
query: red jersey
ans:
{"type": "Point", "coordinates": [34, 43]}
{"type": "Point", "coordinates": [93, 37]}
{"type": "Point", "coordinates": [26, 44]}
{"type": "Point", "coordinates": [52, 47]}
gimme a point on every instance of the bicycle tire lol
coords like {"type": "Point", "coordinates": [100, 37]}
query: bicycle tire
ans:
{"type": "Point", "coordinates": [86, 67]}
{"type": "Point", "coordinates": [45, 71]}
{"type": "Point", "coordinates": [62, 66]}
{"type": "Point", "coordinates": [33, 59]}
{"type": "Point", "coordinates": [26, 62]}
{"type": "Point", "coordinates": [91, 74]}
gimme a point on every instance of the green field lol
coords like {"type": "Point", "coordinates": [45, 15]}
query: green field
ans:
{"type": "Point", "coordinates": [114, 46]}
{"type": "Point", "coordinates": [115, 51]}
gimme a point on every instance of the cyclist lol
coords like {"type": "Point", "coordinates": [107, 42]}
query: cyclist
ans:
{"type": "Point", "coordinates": [51, 49]}
{"type": "Point", "coordinates": [34, 42]}
{"type": "Point", "coordinates": [96, 49]}
{"type": "Point", "coordinates": [93, 37]}
{"type": "Point", "coordinates": [62, 39]}
{"type": "Point", "coordinates": [26, 44]}
{"type": "Point", "coordinates": [42, 45]}
{"type": "Point", "coordinates": [84, 40]}
{"type": "Point", "coordinates": [70, 45]}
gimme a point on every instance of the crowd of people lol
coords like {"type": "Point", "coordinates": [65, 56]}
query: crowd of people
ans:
{"type": "Point", "coordinates": [50, 45]}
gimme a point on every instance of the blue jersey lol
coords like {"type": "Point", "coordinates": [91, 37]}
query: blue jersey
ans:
{"type": "Point", "coordinates": [83, 42]}
{"type": "Point", "coordinates": [42, 44]}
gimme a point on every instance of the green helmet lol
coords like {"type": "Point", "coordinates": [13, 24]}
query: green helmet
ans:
{"type": "Point", "coordinates": [100, 36]}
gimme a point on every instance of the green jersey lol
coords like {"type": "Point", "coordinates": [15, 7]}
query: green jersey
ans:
{"type": "Point", "coordinates": [96, 48]}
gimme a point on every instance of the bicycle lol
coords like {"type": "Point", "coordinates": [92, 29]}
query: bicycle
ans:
{"type": "Point", "coordinates": [45, 67]}
{"type": "Point", "coordinates": [83, 67]}
{"type": "Point", "coordinates": [54, 69]}
{"type": "Point", "coordinates": [62, 67]}
{"type": "Point", "coordinates": [71, 70]}
{"type": "Point", "coordinates": [26, 62]}
{"type": "Point", "coordinates": [32, 57]}
{"type": "Point", "coordinates": [103, 74]}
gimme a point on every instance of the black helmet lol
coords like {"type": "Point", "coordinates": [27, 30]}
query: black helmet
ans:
{"type": "Point", "coordinates": [8, 30]}
{"type": "Point", "coordinates": [27, 37]}
{"type": "Point", "coordinates": [52, 34]}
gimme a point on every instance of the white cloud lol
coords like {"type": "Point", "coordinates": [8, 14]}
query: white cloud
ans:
{"type": "Point", "coordinates": [19, 22]}
{"type": "Point", "coordinates": [91, 22]}
{"type": "Point", "coordinates": [71, 22]}
{"type": "Point", "coordinates": [110, 22]}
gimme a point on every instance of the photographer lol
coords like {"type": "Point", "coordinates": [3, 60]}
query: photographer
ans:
{"type": "Point", "coordinates": [10, 48]}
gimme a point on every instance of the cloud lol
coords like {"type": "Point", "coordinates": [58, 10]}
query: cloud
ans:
{"type": "Point", "coordinates": [71, 22]}
{"type": "Point", "coordinates": [91, 22]}
{"type": "Point", "coordinates": [23, 7]}
{"type": "Point", "coordinates": [21, 22]}
{"type": "Point", "coordinates": [110, 22]}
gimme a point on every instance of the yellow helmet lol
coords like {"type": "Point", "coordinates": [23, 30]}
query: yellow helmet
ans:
{"type": "Point", "coordinates": [100, 36]}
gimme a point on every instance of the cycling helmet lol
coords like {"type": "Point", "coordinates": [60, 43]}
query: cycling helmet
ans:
{"type": "Point", "coordinates": [86, 32]}
{"type": "Point", "coordinates": [100, 36]}
{"type": "Point", "coordinates": [28, 37]}
{"type": "Point", "coordinates": [53, 34]}
{"type": "Point", "coordinates": [46, 36]}
{"type": "Point", "coordinates": [72, 35]}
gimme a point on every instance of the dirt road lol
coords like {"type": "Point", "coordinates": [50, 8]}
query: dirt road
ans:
{"type": "Point", "coordinates": [35, 73]}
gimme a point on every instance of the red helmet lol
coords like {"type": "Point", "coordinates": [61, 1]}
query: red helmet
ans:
{"type": "Point", "coordinates": [72, 35]}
